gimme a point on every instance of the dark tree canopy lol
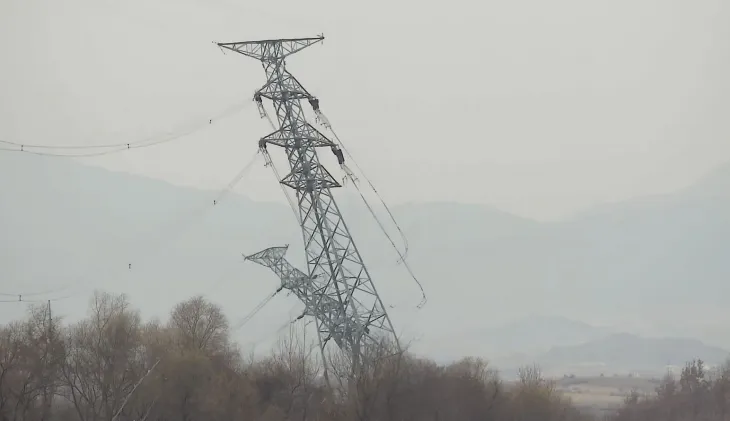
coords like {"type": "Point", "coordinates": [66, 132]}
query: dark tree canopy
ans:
{"type": "Point", "coordinates": [87, 372]}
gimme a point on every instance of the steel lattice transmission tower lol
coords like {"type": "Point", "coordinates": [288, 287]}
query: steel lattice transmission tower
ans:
{"type": "Point", "coordinates": [338, 290]}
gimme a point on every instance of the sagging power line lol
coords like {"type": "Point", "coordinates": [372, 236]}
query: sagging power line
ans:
{"type": "Point", "coordinates": [23, 300]}
{"type": "Point", "coordinates": [111, 148]}
{"type": "Point", "coordinates": [162, 238]}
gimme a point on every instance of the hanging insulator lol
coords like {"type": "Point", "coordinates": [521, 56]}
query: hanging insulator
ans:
{"type": "Point", "coordinates": [338, 153]}
{"type": "Point", "coordinates": [259, 104]}
{"type": "Point", "coordinates": [314, 102]}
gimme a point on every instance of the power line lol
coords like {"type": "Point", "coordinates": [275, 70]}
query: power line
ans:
{"type": "Point", "coordinates": [288, 323]}
{"type": "Point", "coordinates": [245, 319]}
{"type": "Point", "coordinates": [111, 148]}
{"type": "Point", "coordinates": [21, 300]}
{"type": "Point", "coordinates": [136, 385]}
{"type": "Point", "coordinates": [164, 238]}
{"type": "Point", "coordinates": [185, 225]}
{"type": "Point", "coordinates": [270, 163]}
{"type": "Point", "coordinates": [30, 294]}
{"type": "Point", "coordinates": [382, 201]}
{"type": "Point", "coordinates": [402, 256]}
{"type": "Point", "coordinates": [424, 298]}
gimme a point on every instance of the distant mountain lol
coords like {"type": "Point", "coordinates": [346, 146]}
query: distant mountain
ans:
{"type": "Point", "coordinates": [654, 253]}
{"type": "Point", "coordinates": [563, 346]}
{"type": "Point", "coordinates": [714, 184]}
{"type": "Point", "coordinates": [628, 352]}
{"type": "Point", "coordinates": [518, 341]}
{"type": "Point", "coordinates": [69, 225]}
{"type": "Point", "coordinates": [534, 334]}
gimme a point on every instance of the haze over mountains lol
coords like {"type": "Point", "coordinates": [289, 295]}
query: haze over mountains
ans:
{"type": "Point", "coordinates": [651, 266]}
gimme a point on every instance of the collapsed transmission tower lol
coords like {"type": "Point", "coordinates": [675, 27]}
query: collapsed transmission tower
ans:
{"type": "Point", "coordinates": [337, 290]}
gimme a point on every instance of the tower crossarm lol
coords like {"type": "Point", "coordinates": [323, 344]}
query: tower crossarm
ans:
{"type": "Point", "coordinates": [273, 258]}
{"type": "Point", "coordinates": [326, 309]}
{"type": "Point", "coordinates": [274, 91]}
{"type": "Point", "coordinates": [271, 49]}
{"type": "Point", "coordinates": [305, 133]}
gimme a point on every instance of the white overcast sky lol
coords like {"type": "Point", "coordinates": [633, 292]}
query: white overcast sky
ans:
{"type": "Point", "coordinates": [537, 107]}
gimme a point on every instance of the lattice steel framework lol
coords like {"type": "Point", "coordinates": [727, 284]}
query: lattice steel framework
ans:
{"type": "Point", "coordinates": [338, 290]}
{"type": "Point", "coordinates": [321, 308]}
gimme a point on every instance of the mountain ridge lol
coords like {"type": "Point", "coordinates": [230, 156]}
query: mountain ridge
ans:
{"type": "Point", "coordinates": [628, 352]}
{"type": "Point", "coordinates": [480, 265]}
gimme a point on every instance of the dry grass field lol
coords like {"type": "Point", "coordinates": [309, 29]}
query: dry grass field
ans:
{"type": "Point", "coordinates": [601, 394]}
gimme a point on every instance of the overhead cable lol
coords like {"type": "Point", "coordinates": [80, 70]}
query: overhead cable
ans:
{"type": "Point", "coordinates": [401, 255]}
{"type": "Point", "coordinates": [270, 163]}
{"type": "Point", "coordinates": [256, 309]}
{"type": "Point", "coordinates": [22, 300]}
{"type": "Point", "coordinates": [200, 214]}
{"type": "Point", "coordinates": [110, 148]}
{"type": "Point", "coordinates": [382, 201]}
{"type": "Point", "coordinates": [163, 238]}
{"type": "Point", "coordinates": [31, 294]}
{"type": "Point", "coordinates": [424, 298]}
{"type": "Point", "coordinates": [136, 385]}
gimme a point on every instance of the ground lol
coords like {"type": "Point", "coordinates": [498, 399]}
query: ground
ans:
{"type": "Point", "coordinates": [601, 394]}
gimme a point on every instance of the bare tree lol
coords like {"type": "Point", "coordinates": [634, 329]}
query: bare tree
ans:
{"type": "Point", "coordinates": [290, 378]}
{"type": "Point", "coordinates": [721, 391]}
{"type": "Point", "coordinates": [30, 358]}
{"type": "Point", "coordinates": [103, 358]}
{"type": "Point", "coordinates": [200, 325]}
{"type": "Point", "coordinates": [694, 387]}
{"type": "Point", "coordinates": [95, 364]}
{"type": "Point", "coordinates": [535, 398]}
{"type": "Point", "coordinates": [477, 387]}
{"type": "Point", "coordinates": [11, 369]}
{"type": "Point", "coordinates": [373, 388]}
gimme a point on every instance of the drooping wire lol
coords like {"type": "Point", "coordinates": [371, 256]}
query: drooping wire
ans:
{"type": "Point", "coordinates": [136, 385]}
{"type": "Point", "coordinates": [178, 230]}
{"type": "Point", "coordinates": [382, 201]}
{"type": "Point", "coordinates": [199, 216]}
{"type": "Point", "coordinates": [118, 147]}
{"type": "Point", "coordinates": [424, 298]}
{"type": "Point", "coordinates": [217, 283]}
{"type": "Point", "coordinates": [221, 195]}
{"type": "Point", "coordinates": [225, 113]}
{"type": "Point", "coordinates": [31, 294]}
{"type": "Point", "coordinates": [202, 213]}
{"type": "Point", "coordinates": [402, 256]}
{"type": "Point", "coordinates": [152, 405]}
{"type": "Point", "coordinates": [268, 117]}
{"type": "Point", "coordinates": [237, 179]}
{"type": "Point", "coordinates": [287, 324]}
{"type": "Point", "coordinates": [22, 300]}
{"type": "Point", "coordinates": [245, 319]}
{"type": "Point", "coordinates": [270, 163]}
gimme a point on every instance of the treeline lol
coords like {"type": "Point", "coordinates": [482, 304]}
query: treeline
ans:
{"type": "Point", "coordinates": [697, 394]}
{"type": "Point", "coordinates": [113, 366]}
{"type": "Point", "coordinates": [87, 371]}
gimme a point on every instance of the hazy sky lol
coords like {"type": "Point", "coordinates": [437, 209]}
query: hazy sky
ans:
{"type": "Point", "coordinates": [540, 108]}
